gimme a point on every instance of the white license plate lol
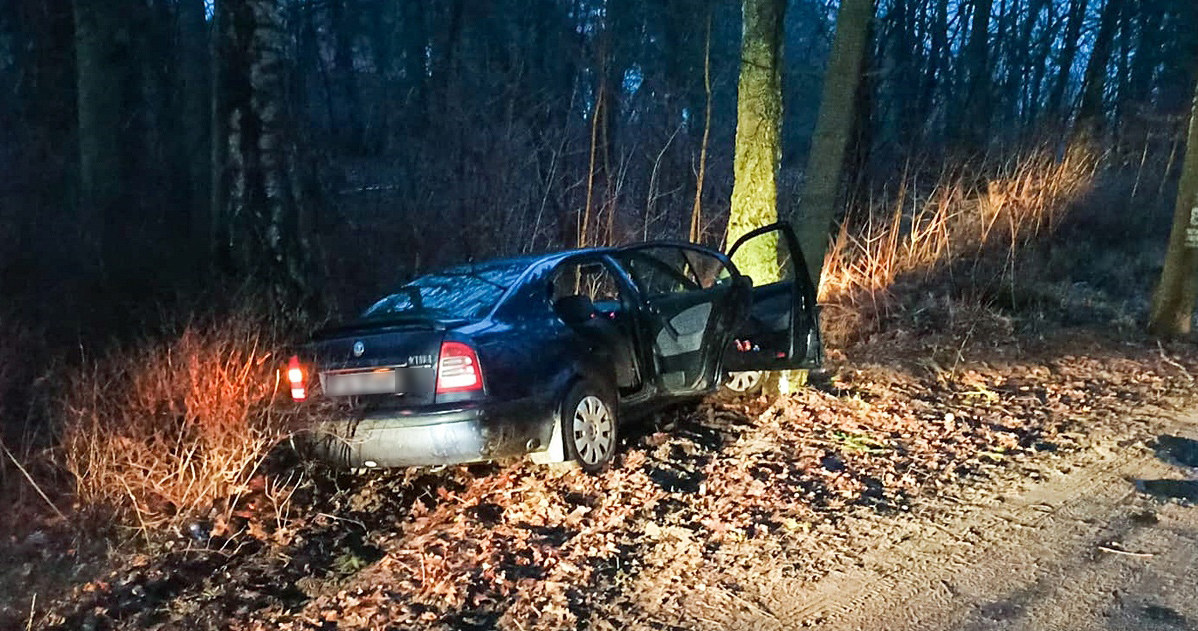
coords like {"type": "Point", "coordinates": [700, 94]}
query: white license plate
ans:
{"type": "Point", "coordinates": [355, 383]}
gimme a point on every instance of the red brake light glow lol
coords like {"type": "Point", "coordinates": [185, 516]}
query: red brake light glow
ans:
{"type": "Point", "coordinates": [458, 369]}
{"type": "Point", "coordinates": [295, 376]}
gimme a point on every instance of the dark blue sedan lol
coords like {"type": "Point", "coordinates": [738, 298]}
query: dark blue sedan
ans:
{"type": "Point", "coordinates": [546, 355]}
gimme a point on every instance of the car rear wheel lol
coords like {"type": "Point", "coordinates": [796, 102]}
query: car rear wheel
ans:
{"type": "Point", "coordinates": [590, 426]}
{"type": "Point", "coordinates": [744, 382]}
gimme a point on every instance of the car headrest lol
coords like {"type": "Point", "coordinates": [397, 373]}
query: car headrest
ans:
{"type": "Point", "coordinates": [574, 308]}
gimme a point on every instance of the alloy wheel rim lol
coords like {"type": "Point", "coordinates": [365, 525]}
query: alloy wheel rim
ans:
{"type": "Point", "coordinates": [743, 381]}
{"type": "Point", "coordinates": [594, 433]}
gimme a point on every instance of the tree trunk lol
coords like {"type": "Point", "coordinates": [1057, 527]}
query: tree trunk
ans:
{"type": "Point", "coordinates": [1173, 303]}
{"type": "Point", "coordinates": [102, 45]}
{"type": "Point", "coordinates": [1147, 51]}
{"type": "Point", "coordinates": [937, 68]}
{"type": "Point", "coordinates": [833, 129]}
{"type": "Point", "coordinates": [265, 240]}
{"type": "Point", "coordinates": [975, 115]}
{"type": "Point", "coordinates": [758, 135]}
{"type": "Point", "coordinates": [196, 99]}
{"type": "Point", "coordinates": [696, 229]}
{"type": "Point", "coordinates": [1073, 29]}
{"type": "Point", "coordinates": [343, 61]}
{"type": "Point", "coordinates": [1090, 113]}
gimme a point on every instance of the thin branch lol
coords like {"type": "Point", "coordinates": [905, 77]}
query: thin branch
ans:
{"type": "Point", "coordinates": [31, 482]}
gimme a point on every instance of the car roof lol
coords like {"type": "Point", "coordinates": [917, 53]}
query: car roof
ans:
{"type": "Point", "coordinates": [561, 254]}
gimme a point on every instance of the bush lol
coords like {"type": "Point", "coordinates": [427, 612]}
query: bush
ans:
{"type": "Point", "coordinates": [159, 431]}
{"type": "Point", "coordinates": [973, 213]}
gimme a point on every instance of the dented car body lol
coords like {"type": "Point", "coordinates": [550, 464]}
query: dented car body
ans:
{"type": "Point", "coordinates": [544, 355]}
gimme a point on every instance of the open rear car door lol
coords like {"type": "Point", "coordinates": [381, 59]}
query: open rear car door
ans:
{"type": "Point", "coordinates": [782, 328]}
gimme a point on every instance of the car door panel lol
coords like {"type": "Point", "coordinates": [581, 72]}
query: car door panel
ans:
{"type": "Point", "coordinates": [681, 316]}
{"type": "Point", "coordinates": [781, 330]}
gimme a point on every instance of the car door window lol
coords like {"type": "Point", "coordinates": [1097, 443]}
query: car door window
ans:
{"type": "Point", "coordinates": [707, 270]}
{"type": "Point", "coordinates": [766, 259]}
{"type": "Point", "coordinates": [592, 279]}
{"type": "Point", "coordinates": [685, 291]}
{"type": "Point", "coordinates": [659, 271]}
{"type": "Point", "coordinates": [593, 287]}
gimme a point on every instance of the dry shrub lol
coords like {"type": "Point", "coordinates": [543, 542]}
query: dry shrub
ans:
{"type": "Point", "coordinates": [159, 431]}
{"type": "Point", "coordinates": [922, 230]}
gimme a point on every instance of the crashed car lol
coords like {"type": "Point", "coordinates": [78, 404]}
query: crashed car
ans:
{"type": "Point", "coordinates": [546, 355]}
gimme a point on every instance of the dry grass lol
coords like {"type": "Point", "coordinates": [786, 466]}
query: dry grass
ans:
{"type": "Point", "coordinates": [21, 347]}
{"type": "Point", "coordinates": [165, 429]}
{"type": "Point", "coordinates": [920, 230]}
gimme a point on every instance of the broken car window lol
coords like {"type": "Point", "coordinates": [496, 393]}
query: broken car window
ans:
{"type": "Point", "coordinates": [466, 292]}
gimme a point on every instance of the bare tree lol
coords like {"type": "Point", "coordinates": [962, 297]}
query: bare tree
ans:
{"type": "Point", "coordinates": [1073, 29]}
{"type": "Point", "coordinates": [1172, 312]}
{"type": "Point", "coordinates": [1089, 113]}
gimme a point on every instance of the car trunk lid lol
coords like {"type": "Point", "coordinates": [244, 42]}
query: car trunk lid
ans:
{"type": "Point", "coordinates": [389, 364]}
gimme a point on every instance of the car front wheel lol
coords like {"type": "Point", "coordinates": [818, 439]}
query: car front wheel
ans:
{"type": "Point", "coordinates": [746, 382]}
{"type": "Point", "coordinates": [590, 424]}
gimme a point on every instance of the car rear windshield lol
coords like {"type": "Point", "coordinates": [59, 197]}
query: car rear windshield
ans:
{"type": "Point", "coordinates": [466, 292]}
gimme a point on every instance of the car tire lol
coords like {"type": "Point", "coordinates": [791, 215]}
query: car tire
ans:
{"type": "Point", "coordinates": [744, 383]}
{"type": "Point", "coordinates": [590, 426]}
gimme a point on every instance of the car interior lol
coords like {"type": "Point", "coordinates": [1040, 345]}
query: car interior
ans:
{"type": "Point", "coordinates": [684, 290]}
{"type": "Point", "coordinates": [587, 297]}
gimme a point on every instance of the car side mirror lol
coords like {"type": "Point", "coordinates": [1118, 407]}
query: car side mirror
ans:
{"type": "Point", "coordinates": [743, 282]}
{"type": "Point", "coordinates": [574, 309]}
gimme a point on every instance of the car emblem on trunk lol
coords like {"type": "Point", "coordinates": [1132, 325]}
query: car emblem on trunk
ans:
{"type": "Point", "coordinates": [359, 348]}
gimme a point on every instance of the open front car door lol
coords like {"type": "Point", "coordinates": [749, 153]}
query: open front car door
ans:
{"type": "Point", "coordinates": [782, 328]}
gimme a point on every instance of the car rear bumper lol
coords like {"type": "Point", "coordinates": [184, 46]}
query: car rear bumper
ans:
{"type": "Point", "coordinates": [428, 437]}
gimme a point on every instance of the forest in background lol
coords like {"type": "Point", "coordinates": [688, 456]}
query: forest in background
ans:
{"type": "Point", "coordinates": [198, 183]}
{"type": "Point", "coordinates": [154, 149]}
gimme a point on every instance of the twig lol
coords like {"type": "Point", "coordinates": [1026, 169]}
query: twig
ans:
{"type": "Point", "coordinates": [1174, 362]}
{"type": "Point", "coordinates": [30, 478]}
{"type": "Point", "coordinates": [1138, 555]}
{"type": "Point", "coordinates": [344, 519]}
{"type": "Point", "coordinates": [32, 608]}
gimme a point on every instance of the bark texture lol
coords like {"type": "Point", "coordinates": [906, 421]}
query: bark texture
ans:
{"type": "Point", "coordinates": [833, 129]}
{"type": "Point", "coordinates": [1173, 303]}
{"type": "Point", "coordinates": [758, 138]}
{"type": "Point", "coordinates": [265, 236]}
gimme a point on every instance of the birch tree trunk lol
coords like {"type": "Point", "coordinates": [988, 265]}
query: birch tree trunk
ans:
{"type": "Point", "coordinates": [265, 238]}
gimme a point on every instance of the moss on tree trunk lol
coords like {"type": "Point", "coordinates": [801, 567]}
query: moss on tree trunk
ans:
{"type": "Point", "coordinates": [758, 138]}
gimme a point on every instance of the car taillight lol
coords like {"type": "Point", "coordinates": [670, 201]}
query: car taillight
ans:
{"type": "Point", "coordinates": [297, 379]}
{"type": "Point", "coordinates": [458, 369]}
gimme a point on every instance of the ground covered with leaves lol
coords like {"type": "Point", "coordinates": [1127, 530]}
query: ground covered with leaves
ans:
{"type": "Point", "coordinates": [714, 495]}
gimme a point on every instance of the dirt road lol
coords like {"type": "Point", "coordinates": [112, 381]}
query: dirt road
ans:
{"type": "Point", "coordinates": [1071, 542]}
